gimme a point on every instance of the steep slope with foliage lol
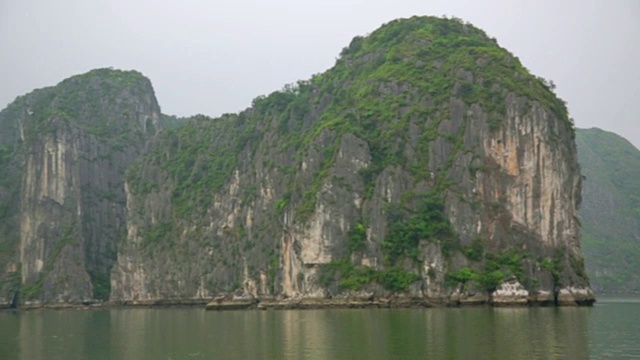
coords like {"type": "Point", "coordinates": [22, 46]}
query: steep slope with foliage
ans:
{"type": "Point", "coordinates": [63, 154]}
{"type": "Point", "coordinates": [611, 210]}
{"type": "Point", "coordinates": [427, 163]}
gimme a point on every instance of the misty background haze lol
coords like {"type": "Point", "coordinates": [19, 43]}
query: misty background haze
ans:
{"type": "Point", "coordinates": [214, 57]}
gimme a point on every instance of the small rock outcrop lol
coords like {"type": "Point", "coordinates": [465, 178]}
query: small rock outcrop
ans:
{"type": "Point", "coordinates": [510, 293]}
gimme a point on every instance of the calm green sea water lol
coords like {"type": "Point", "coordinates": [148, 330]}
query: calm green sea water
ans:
{"type": "Point", "coordinates": [611, 329]}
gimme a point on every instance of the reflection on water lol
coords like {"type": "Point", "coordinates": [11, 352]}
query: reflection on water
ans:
{"type": "Point", "coordinates": [468, 333]}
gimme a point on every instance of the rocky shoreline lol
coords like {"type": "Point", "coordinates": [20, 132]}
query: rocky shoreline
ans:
{"type": "Point", "coordinates": [229, 303]}
{"type": "Point", "coordinates": [393, 302]}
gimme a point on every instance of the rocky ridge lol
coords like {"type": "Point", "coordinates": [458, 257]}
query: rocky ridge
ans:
{"type": "Point", "coordinates": [427, 166]}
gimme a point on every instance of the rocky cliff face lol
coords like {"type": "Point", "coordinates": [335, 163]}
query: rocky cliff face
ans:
{"type": "Point", "coordinates": [69, 147]}
{"type": "Point", "coordinates": [427, 163]}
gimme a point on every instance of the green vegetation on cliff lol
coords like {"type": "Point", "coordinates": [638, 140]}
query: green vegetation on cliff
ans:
{"type": "Point", "coordinates": [407, 228]}
{"type": "Point", "coordinates": [86, 101]}
{"type": "Point", "coordinates": [354, 278]}
{"type": "Point", "coordinates": [497, 268]}
{"type": "Point", "coordinates": [610, 210]}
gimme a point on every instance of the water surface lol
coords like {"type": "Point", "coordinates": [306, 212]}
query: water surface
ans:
{"type": "Point", "coordinates": [608, 330]}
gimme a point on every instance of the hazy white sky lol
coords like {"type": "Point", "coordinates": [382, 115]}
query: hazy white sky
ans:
{"type": "Point", "coordinates": [214, 57]}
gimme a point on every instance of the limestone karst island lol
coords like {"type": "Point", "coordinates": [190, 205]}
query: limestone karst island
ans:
{"type": "Point", "coordinates": [427, 167]}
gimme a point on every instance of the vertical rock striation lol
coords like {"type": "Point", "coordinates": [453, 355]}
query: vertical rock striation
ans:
{"type": "Point", "coordinates": [76, 141]}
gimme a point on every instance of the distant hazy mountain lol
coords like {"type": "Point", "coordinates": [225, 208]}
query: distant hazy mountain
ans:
{"type": "Point", "coordinates": [610, 210]}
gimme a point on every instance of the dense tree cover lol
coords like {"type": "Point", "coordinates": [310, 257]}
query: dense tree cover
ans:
{"type": "Point", "coordinates": [408, 227]}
